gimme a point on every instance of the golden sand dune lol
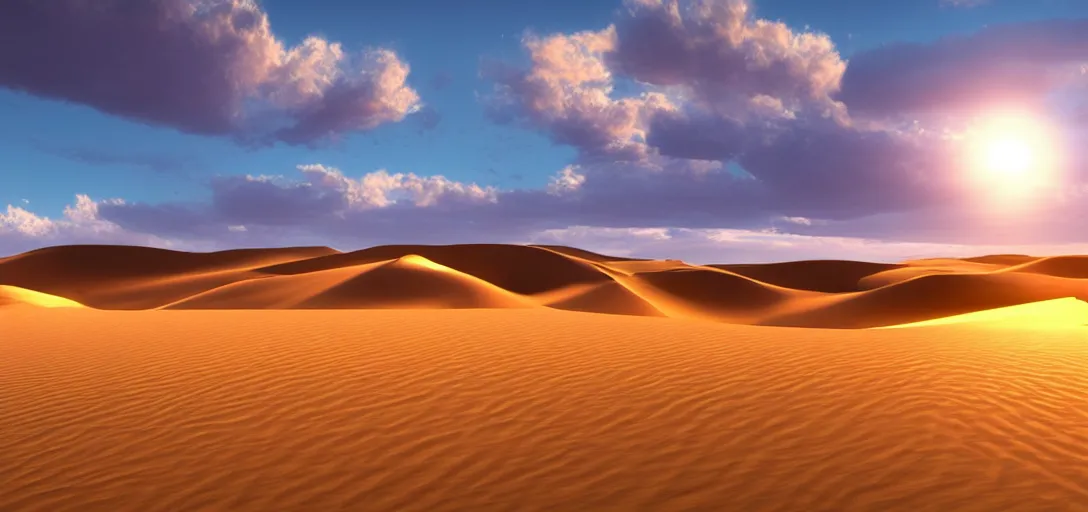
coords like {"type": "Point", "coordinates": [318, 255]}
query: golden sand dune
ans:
{"type": "Point", "coordinates": [1058, 266]}
{"type": "Point", "coordinates": [831, 294]}
{"type": "Point", "coordinates": [12, 296]}
{"type": "Point", "coordinates": [532, 410]}
{"type": "Point", "coordinates": [519, 269]}
{"type": "Point", "coordinates": [408, 282]}
{"type": "Point", "coordinates": [931, 296]}
{"type": "Point", "coordinates": [1067, 312]}
{"type": "Point", "coordinates": [127, 277]}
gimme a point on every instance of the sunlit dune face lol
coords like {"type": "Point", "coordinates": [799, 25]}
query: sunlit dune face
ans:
{"type": "Point", "coordinates": [1011, 155]}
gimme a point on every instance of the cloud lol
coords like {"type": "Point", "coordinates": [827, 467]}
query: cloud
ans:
{"type": "Point", "coordinates": [22, 230]}
{"type": "Point", "coordinates": [567, 93]}
{"type": "Point", "coordinates": [441, 80]}
{"type": "Point", "coordinates": [160, 163]}
{"type": "Point", "coordinates": [1004, 64]}
{"type": "Point", "coordinates": [209, 67]}
{"type": "Point", "coordinates": [696, 124]}
{"type": "Point", "coordinates": [720, 54]}
{"type": "Point", "coordinates": [964, 3]}
{"type": "Point", "coordinates": [706, 246]}
{"type": "Point", "coordinates": [83, 222]}
{"type": "Point", "coordinates": [702, 113]}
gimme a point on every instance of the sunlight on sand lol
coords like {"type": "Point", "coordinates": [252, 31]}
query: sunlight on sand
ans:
{"type": "Point", "coordinates": [14, 295]}
{"type": "Point", "coordinates": [1067, 312]}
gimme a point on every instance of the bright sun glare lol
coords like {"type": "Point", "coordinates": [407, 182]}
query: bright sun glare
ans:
{"type": "Point", "coordinates": [1011, 154]}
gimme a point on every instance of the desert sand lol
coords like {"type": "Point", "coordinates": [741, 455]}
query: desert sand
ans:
{"type": "Point", "coordinates": [495, 377]}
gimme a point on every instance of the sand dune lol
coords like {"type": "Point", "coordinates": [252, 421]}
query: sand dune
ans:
{"type": "Point", "coordinates": [13, 296]}
{"type": "Point", "coordinates": [1067, 312]}
{"type": "Point", "coordinates": [929, 297]}
{"type": "Point", "coordinates": [127, 277]}
{"type": "Point", "coordinates": [830, 276]}
{"type": "Point", "coordinates": [532, 410]}
{"type": "Point", "coordinates": [1075, 267]}
{"type": "Point", "coordinates": [485, 377]}
{"type": "Point", "coordinates": [519, 269]}
{"type": "Point", "coordinates": [408, 282]}
{"type": "Point", "coordinates": [827, 294]}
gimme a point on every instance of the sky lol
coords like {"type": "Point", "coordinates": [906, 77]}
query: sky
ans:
{"type": "Point", "coordinates": [704, 130]}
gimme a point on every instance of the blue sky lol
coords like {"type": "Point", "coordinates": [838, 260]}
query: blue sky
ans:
{"type": "Point", "coordinates": [55, 145]}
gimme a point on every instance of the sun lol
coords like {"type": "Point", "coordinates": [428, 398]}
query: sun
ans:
{"type": "Point", "coordinates": [1011, 154]}
{"type": "Point", "coordinates": [1008, 157]}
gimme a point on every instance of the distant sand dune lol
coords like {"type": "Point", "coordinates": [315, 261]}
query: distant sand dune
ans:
{"type": "Point", "coordinates": [519, 269]}
{"type": "Point", "coordinates": [1075, 267]}
{"type": "Point", "coordinates": [127, 277]}
{"type": "Point", "coordinates": [531, 410]}
{"type": "Point", "coordinates": [932, 296]}
{"type": "Point", "coordinates": [409, 282]}
{"type": "Point", "coordinates": [828, 294]}
{"type": "Point", "coordinates": [830, 276]}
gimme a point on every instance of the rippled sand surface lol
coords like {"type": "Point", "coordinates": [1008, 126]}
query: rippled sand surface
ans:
{"type": "Point", "coordinates": [532, 409]}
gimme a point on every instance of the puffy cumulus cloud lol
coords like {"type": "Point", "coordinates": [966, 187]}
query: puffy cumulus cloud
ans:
{"type": "Point", "coordinates": [698, 113]}
{"type": "Point", "coordinates": [22, 230]}
{"type": "Point", "coordinates": [709, 58]}
{"type": "Point", "coordinates": [1002, 64]}
{"type": "Point", "coordinates": [322, 200]}
{"type": "Point", "coordinates": [202, 66]}
{"type": "Point", "coordinates": [567, 92]}
{"type": "Point", "coordinates": [722, 55]}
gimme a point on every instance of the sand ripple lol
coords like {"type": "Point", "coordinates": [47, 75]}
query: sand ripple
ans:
{"type": "Point", "coordinates": [532, 410]}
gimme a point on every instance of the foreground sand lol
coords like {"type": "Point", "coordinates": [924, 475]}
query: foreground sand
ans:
{"type": "Point", "coordinates": [532, 409]}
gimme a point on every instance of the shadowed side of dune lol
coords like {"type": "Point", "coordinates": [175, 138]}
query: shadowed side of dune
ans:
{"type": "Point", "coordinates": [932, 296]}
{"type": "Point", "coordinates": [520, 269]}
{"type": "Point", "coordinates": [708, 293]}
{"type": "Point", "coordinates": [829, 276]}
{"type": "Point", "coordinates": [609, 298]}
{"type": "Point", "coordinates": [131, 277]}
{"type": "Point", "coordinates": [14, 296]}
{"type": "Point", "coordinates": [409, 282]}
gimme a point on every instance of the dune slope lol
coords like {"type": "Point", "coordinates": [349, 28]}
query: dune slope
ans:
{"type": "Point", "coordinates": [13, 296]}
{"type": "Point", "coordinates": [129, 277]}
{"type": "Point", "coordinates": [409, 282]}
{"type": "Point", "coordinates": [932, 296]}
{"type": "Point", "coordinates": [1067, 312]}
